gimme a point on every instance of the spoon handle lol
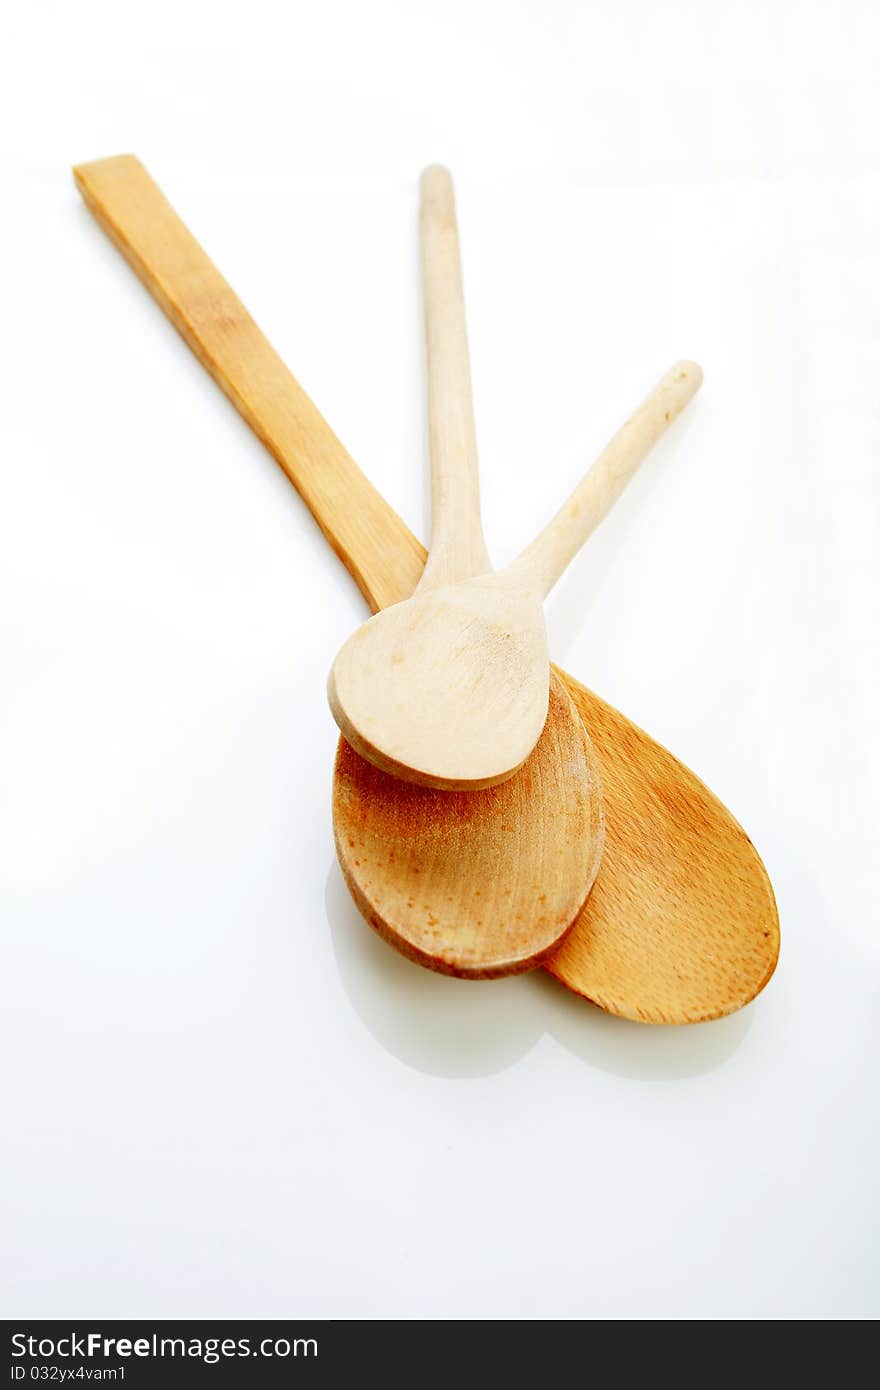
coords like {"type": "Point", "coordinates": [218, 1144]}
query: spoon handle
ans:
{"type": "Point", "coordinates": [380, 553]}
{"type": "Point", "coordinates": [458, 550]}
{"type": "Point", "coordinates": [541, 564]}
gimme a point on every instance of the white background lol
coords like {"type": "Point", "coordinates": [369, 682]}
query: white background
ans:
{"type": "Point", "coordinates": [223, 1095]}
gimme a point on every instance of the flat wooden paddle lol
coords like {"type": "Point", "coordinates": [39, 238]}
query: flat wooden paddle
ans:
{"type": "Point", "coordinates": [450, 688]}
{"type": "Point", "coordinates": [681, 925]}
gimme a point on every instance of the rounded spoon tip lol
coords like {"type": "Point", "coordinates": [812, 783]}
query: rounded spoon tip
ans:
{"type": "Point", "coordinates": [686, 368]}
{"type": "Point", "coordinates": [436, 184]}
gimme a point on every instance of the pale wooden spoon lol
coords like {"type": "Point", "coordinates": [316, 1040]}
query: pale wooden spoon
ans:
{"type": "Point", "coordinates": [500, 891]}
{"type": "Point", "coordinates": [450, 688]}
{"type": "Point", "coordinates": [681, 925]}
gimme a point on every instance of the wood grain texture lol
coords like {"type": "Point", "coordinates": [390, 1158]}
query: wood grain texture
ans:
{"type": "Point", "coordinates": [475, 884]}
{"type": "Point", "coordinates": [681, 925]}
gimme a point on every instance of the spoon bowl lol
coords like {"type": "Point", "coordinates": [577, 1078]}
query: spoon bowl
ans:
{"type": "Point", "coordinates": [454, 735]}
{"type": "Point", "coordinates": [475, 883]}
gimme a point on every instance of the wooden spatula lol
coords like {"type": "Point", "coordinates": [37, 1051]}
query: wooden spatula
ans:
{"type": "Point", "coordinates": [681, 925]}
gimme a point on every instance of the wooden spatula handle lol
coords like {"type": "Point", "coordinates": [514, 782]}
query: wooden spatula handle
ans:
{"type": "Point", "coordinates": [457, 550]}
{"type": "Point", "coordinates": [541, 563]}
{"type": "Point", "coordinates": [381, 554]}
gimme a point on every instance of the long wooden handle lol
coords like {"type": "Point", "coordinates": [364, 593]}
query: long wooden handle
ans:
{"type": "Point", "coordinates": [379, 551]}
{"type": "Point", "coordinates": [457, 549]}
{"type": "Point", "coordinates": [541, 563]}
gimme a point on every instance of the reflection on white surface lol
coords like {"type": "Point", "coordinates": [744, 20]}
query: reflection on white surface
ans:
{"type": "Point", "coordinates": [453, 1027]}
{"type": "Point", "coordinates": [214, 1104]}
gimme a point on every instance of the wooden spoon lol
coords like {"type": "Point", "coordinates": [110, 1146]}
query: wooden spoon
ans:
{"type": "Point", "coordinates": [450, 688]}
{"type": "Point", "coordinates": [681, 925]}
{"type": "Point", "coordinates": [495, 892]}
